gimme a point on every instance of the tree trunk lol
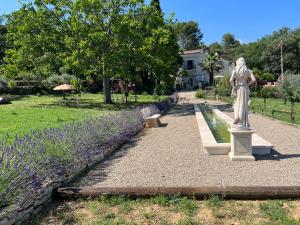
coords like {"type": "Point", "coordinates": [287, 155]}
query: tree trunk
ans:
{"type": "Point", "coordinates": [106, 86]}
{"type": "Point", "coordinates": [106, 91]}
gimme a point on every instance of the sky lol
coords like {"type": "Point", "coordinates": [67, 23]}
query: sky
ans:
{"type": "Point", "coordinates": [248, 20]}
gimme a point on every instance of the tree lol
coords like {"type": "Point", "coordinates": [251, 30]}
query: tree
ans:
{"type": "Point", "coordinates": [215, 47]}
{"type": "Point", "coordinates": [212, 64]}
{"type": "Point", "coordinates": [290, 89]}
{"type": "Point", "coordinates": [100, 39]}
{"type": "Point", "coordinates": [35, 34]}
{"type": "Point", "coordinates": [95, 40]}
{"type": "Point", "coordinates": [265, 54]}
{"type": "Point", "coordinates": [3, 45]}
{"type": "Point", "coordinates": [156, 4]}
{"type": "Point", "coordinates": [229, 41]}
{"type": "Point", "coordinates": [161, 52]}
{"type": "Point", "coordinates": [188, 35]}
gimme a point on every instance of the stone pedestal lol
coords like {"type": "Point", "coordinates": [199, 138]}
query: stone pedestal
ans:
{"type": "Point", "coordinates": [241, 145]}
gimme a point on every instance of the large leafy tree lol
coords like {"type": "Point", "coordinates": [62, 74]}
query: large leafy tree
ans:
{"type": "Point", "coordinates": [106, 39]}
{"type": "Point", "coordinates": [188, 34]}
{"type": "Point", "coordinates": [98, 34]}
{"type": "Point", "coordinates": [36, 36]}
{"type": "Point", "coordinates": [160, 51]}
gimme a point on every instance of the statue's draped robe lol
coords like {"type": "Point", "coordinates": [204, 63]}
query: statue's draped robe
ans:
{"type": "Point", "coordinates": [239, 80]}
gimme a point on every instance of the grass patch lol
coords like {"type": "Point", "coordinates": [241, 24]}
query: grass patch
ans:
{"type": "Point", "coordinates": [171, 210]}
{"type": "Point", "coordinates": [277, 213]}
{"type": "Point", "coordinates": [214, 201]}
{"type": "Point", "coordinates": [38, 112]}
{"type": "Point", "coordinates": [257, 104]}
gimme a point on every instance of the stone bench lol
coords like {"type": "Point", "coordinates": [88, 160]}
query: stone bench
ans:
{"type": "Point", "coordinates": [151, 120]}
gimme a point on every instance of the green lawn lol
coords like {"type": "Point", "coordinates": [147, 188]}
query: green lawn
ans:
{"type": "Point", "coordinates": [257, 104]}
{"type": "Point", "coordinates": [38, 112]}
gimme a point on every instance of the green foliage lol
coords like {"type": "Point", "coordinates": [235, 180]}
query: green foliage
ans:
{"type": "Point", "coordinates": [3, 44]}
{"type": "Point", "coordinates": [214, 201]}
{"type": "Point", "coordinates": [229, 41]}
{"type": "Point", "coordinates": [223, 87]}
{"type": "Point", "coordinates": [77, 84]}
{"type": "Point", "coordinates": [265, 53]}
{"type": "Point", "coordinates": [290, 87]}
{"type": "Point", "coordinates": [107, 39]}
{"type": "Point", "coordinates": [212, 64]}
{"type": "Point", "coordinates": [262, 75]}
{"type": "Point", "coordinates": [184, 204]}
{"type": "Point", "coordinates": [267, 76]}
{"type": "Point", "coordinates": [156, 4]}
{"type": "Point", "coordinates": [215, 47]}
{"type": "Point", "coordinates": [277, 213]}
{"type": "Point", "coordinates": [56, 79]}
{"type": "Point", "coordinates": [188, 34]}
{"type": "Point", "coordinates": [267, 92]}
{"type": "Point", "coordinates": [11, 84]}
{"type": "Point", "coordinates": [200, 93]}
{"type": "Point", "coordinates": [176, 203]}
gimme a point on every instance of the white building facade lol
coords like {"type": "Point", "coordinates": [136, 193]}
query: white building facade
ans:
{"type": "Point", "coordinates": [194, 75]}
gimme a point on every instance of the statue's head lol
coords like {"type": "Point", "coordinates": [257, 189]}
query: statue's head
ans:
{"type": "Point", "coordinates": [241, 62]}
{"type": "Point", "coordinates": [241, 67]}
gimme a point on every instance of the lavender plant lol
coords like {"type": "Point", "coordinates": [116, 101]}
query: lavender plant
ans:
{"type": "Point", "coordinates": [50, 154]}
{"type": "Point", "coordinates": [53, 154]}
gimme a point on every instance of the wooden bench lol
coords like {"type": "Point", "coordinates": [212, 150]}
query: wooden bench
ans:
{"type": "Point", "coordinates": [151, 120]}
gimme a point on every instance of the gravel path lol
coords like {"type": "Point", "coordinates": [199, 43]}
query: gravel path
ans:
{"type": "Point", "coordinates": [173, 155]}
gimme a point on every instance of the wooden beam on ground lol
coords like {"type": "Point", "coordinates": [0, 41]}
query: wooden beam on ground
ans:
{"type": "Point", "coordinates": [229, 192]}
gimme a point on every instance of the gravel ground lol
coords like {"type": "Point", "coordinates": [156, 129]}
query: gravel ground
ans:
{"type": "Point", "coordinates": [173, 155]}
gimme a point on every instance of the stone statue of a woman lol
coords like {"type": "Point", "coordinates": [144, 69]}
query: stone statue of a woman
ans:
{"type": "Point", "coordinates": [240, 81]}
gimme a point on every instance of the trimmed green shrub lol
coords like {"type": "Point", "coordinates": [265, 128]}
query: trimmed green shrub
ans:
{"type": "Point", "coordinates": [200, 93]}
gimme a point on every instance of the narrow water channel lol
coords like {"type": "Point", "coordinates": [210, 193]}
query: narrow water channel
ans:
{"type": "Point", "coordinates": [218, 127]}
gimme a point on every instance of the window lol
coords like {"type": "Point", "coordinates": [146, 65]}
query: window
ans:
{"type": "Point", "coordinates": [190, 64]}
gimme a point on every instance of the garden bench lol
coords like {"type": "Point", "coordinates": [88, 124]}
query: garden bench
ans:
{"type": "Point", "coordinates": [151, 120]}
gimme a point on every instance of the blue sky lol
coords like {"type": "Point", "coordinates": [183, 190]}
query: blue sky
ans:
{"type": "Point", "coordinates": [248, 20]}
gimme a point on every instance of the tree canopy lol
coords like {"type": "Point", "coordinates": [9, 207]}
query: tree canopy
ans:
{"type": "Point", "coordinates": [188, 34]}
{"type": "Point", "coordinates": [108, 39]}
{"type": "Point", "coordinates": [265, 53]}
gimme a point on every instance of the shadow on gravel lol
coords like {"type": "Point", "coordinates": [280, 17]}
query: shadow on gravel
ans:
{"type": "Point", "coordinates": [182, 110]}
{"type": "Point", "coordinates": [99, 172]}
{"type": "Point", "coordinates": [276, 156]}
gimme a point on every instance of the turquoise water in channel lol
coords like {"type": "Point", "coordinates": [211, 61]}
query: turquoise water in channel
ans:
{"type": "Point", "coordinates": [218, 127]}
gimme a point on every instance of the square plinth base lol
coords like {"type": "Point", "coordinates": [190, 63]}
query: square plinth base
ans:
{"type": "Point", "coordinates": [241, 145]}
{"type": "Point", "coordinates": [241, 157]}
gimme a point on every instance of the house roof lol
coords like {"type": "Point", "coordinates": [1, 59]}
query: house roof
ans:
{"type": "Point", "coordinates": [193, 51]}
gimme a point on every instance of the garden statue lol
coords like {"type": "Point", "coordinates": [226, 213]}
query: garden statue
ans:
{"type": "Point", "coordinates": [240, 81]}
{"type": "Point", "coordinates": [241, 134]}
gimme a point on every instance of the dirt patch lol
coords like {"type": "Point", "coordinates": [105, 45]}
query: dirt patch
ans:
{"type": "Point", "coordinates": [295, 212]}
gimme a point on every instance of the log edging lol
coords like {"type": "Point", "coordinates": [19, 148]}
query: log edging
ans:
{"type": "Point", "coordinates": [227, 192]}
